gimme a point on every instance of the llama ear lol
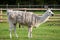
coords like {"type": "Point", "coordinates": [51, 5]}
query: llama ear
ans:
{"type": "Point", "coordinates": [48, 8]}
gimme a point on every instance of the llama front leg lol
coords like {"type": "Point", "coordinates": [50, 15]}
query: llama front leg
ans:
{"type": "Point", "coordinates": [29, 32]}
{"type": "Point", "coordinates": [15, 30]}
{"type": "Point", "coordinates": [10, 32]}
{"type": "Point", "coordinates": [10, 29]}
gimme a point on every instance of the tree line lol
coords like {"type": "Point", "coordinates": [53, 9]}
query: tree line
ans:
{"type": "Point", "coordinates": [30, 2]}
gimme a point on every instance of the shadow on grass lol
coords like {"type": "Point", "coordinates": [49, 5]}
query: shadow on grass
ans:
{"type": "Point", "coordinates": [14, 38]}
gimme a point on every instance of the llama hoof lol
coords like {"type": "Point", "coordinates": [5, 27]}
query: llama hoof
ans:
{"type": "Point", "coordinates": [29, 36]}
{"type": "Point", "coordinates": [10, 37]}
{"type": "Point", "coordinates": [16, 36]}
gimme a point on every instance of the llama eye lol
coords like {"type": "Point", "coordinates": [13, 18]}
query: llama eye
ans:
{"type": "Point", "coordinates": [49, 12]}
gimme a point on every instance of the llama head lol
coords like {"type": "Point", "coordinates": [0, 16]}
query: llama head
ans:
{"type": "Point", "coordinates": [49, 12]}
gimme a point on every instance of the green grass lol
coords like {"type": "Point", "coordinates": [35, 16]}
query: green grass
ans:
{"type": "Point", "coordinates": [46, 31]}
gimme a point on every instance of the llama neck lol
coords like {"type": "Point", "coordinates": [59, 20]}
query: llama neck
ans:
{"type": "Point", "coordinates": [44, 18]}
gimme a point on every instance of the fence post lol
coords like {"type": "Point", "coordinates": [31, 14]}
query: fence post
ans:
{"type": "Point", "coordinates": [45, 6]}
{"type": "Point", "coordinates": [18, 6]}
{"type": "Point", "coordinates": [25, 9]}
{"type": "Point", "coordinates": [7, 6]}
{"type": "Point", "coordinates": [1, 15]}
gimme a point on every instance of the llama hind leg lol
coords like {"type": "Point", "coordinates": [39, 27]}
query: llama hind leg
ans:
{"type": "Point", "coordinates": [30, 32]}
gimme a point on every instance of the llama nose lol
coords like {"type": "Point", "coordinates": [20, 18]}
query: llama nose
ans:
{"type": "Point", "coordinates": [52, 14]}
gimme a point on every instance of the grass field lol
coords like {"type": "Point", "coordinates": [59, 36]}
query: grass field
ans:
{"type": "Point", "coordinates": [46, 31]}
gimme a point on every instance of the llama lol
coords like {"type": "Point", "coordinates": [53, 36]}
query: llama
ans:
{"type": "Point", "coordinates": [26, 18]}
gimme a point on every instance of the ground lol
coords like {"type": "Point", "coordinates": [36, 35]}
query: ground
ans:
{"type": "Point", "coordinates": [46, 31]}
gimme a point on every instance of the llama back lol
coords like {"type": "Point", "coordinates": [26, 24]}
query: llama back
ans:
{"type": "Point", "coordinates": [25, 17]}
